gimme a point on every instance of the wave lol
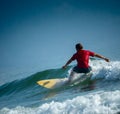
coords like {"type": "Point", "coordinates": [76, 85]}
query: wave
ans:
{"type": "Point", "coordinates": [29, 82]}
{"type": "Point", "coordinates": [26, 92]}
{"type": "Point", "coordinates": [106, 71]}
{"type": "Point", "coordinates": [95, 103]}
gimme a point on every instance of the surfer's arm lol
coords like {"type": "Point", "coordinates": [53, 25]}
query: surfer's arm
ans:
{"type": "Point", "coordinates": [68, 62]}
{"type": "Point", "coordinates": [102, 57]}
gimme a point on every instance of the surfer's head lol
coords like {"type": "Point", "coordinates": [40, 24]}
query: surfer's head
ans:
{"type": "Point", "coordinates": [78, 46]}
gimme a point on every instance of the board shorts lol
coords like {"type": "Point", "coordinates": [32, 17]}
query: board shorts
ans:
{"type": "Point", "coordinates": [82, 70]}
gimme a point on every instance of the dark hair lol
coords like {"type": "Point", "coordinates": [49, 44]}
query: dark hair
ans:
{"type": "Point", "coordinates": [78, 46]}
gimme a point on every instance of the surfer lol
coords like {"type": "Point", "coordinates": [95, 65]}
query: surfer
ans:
{"type": "Point", "coordinates": [82, 58]}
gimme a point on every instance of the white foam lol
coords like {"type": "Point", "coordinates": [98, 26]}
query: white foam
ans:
{"type": "Point", "coordinates": [108, 71]}
{"type": "Point", "coordinates": [92, 103]}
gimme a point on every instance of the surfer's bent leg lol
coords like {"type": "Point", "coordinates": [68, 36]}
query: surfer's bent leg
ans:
{"type": "Point", "coordinates": [76, 71]}
{"type": "Point", "coordinates": [71, 76]}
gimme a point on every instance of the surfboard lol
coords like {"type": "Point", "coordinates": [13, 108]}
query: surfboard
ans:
{"type": "Point", "coordinates": [52, 83]}
{"type": "Point", "coordinates": [56, 83]}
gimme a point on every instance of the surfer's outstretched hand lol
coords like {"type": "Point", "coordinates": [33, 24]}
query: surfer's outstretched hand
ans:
{"type": "Point", "coordinates": [64, 67]}
{"type": "Point", "coordinates": [106, 59]}
{"type": "Point", "coordinates": [68, 62]}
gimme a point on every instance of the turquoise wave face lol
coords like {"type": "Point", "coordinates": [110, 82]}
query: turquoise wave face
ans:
{"type": "Point", "coordinates": [27, 90]}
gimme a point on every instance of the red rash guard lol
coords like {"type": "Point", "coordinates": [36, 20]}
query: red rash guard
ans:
{"type": "Point", "coordinates": [82, 57]}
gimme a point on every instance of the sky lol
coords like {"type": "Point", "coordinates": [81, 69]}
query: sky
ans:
{"type": "Point", "coordinates": [44, 32]}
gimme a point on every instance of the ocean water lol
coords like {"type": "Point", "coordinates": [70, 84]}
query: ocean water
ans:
{"type": "Point", "coordinates": [100, 95]}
